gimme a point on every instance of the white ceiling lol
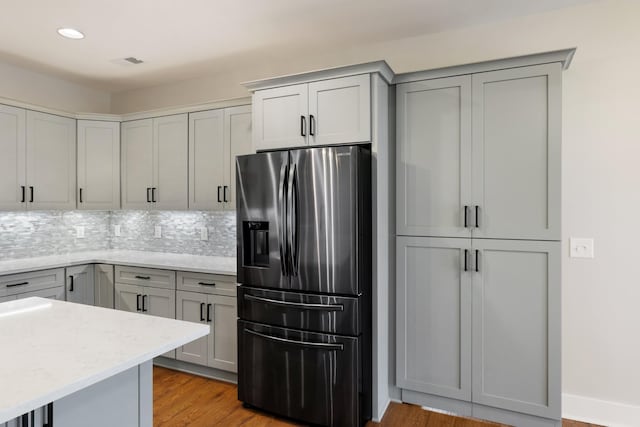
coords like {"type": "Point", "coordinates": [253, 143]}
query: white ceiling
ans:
{"type": "Point", "coordinates": [190, 38]}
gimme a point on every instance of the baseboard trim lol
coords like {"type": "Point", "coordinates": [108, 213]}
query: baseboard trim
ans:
{"type": "Point", "coordinates": [191, 368]}
{"type": "Point", "coordinates": [381, 411]}
{"type": "Point", "coordinates": [596, 411]}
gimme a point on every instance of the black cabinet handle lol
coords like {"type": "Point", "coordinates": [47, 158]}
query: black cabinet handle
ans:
{"type": "Point", "coordinates": [81, 195]}
{"type": "Point", "coordinates": [138, 302]}
{"type": "Point", "coordinates": [312, 125]}
{"type": "Point", "coordinates": [153, 194]}
{"type": "Point", "coordinates": [143, 277]}
{"type": "Point", "coordinates": [71, 284]}
{"type": "Point", "coordinates": [208, 312]}
{"type": "Point", "coordinates": [219, 198]}
{"type": "Point", "coordinates": [24, 194]}
{"type": "Point", "coordinates": [466, 216]}
{"type": "Point", "coordinates": [144, 303]}
{"type": "Point", "coordinates": [224, 194]}
{"type": "Point", "coordinates": [49, 413]}
{"type": "Point", "coordinates": [466, 260]}
{"type": "Point", "coordinates": [206, 284]}
{"type": "Point", "coordinates": [477, 261]}
{"type": "Point", "coordinates": [477, 216]}
{"type": "Point", "coordinates": [17, 284]}
{"type": "Point", "coordinates": [148, 196]}
{"type": "Point", "coordinates": [303, 126]}
{"type": "Point", "coordinates": [31, 198]}
{"type": "Point", "coordinates": [202, 311]}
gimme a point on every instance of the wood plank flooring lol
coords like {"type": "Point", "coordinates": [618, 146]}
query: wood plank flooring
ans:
{"type": "Point", "coordinates": [181, 399]}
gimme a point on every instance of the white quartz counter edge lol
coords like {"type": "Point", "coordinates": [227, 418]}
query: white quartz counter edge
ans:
{"type": "Point", "coordinates": [191, 332]}
{"type": "Point", "coordinates": [160, 260]}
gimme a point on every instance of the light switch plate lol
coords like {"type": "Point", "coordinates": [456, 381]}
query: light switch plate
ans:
{"type": "Point", "coordinates": [80, 231]}
{"type": "Point", "coordinates": [581, 247]}
{"type": "Point", "coordinates": [158, 232]}
{"type": "Point", "coordinates": [204, 233]}
{"type": "Point", "coordinates": [117, 230]}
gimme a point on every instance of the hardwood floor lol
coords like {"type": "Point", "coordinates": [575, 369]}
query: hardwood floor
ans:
{"type": "Point", "coordinates": [181, 399]}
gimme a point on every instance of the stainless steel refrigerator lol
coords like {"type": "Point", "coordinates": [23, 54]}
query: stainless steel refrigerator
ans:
{"type": "Point", "coordinates": [304, 269]}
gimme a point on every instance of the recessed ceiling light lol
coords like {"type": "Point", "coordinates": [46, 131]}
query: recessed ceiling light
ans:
{"type": "Point", "coordinates": [70, 33]}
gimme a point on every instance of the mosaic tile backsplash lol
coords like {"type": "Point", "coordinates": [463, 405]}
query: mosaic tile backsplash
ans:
{"type": "Point", "coordinates": [25, 234]}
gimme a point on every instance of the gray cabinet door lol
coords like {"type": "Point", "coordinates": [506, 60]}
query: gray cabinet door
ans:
{"type": "Point", "coordinates": [516, 326]}
{"type": "Point", "coordinates": [128, 297]}
{"type": "Point", "coordinates": [162, 303]}
{"type": "Point", "coordinates": [137, 164]}
{"type": "Point", "coordinates": [98, 165]}
{"type": "Point", "coordinates": [51, 161]}
{"type": "Point", "coordinates": [237, 137]}
{"type": "Point", "coordinates": [279, 117]}
{"type": "Point", "coordinates": [80, 284]}
{"type": "Point", "coordinates": [192, 307]}
{"type": "Point", "coordinates": [12, 158]}
{"type": "Point", "coordinates": [206, 160]}
{"type": "Point", "coordinates": [516, 152]}
{"type": "Point", "coordinates": [434, 157]}
{"type": "Point", "coordinates": [434, 316]}
{"type": "Point", "coordinates": [170, 162]}
{"type": "Point", "coordinates": [104, 286]}
{"type": "Point", "coordinates": [223, 340]}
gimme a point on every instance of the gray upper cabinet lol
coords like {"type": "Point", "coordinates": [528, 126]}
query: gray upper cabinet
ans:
{"type": "Point", "coordinates": [155, 163]}
{"type": "Point", "coordinates": [98, 165]}
{"type": "Point", "coordinates": [80, 284]}
{"type": "Point", "coordinates": [516, 326]}
{"type": "Point", "coordinates": [434, 316]}
{"type": "Point", "coordinates": [137, 164]}
{"type": "Point", "coordinates": [516, 152]}
{"type": "Point", "coordinates": [434, 157]}
{"type": "Point", "coordinates": [331, 111]}
{"type": "Point", "coordinates": [12, 158]}
{"type": "Point", "coordinates": [216, 137]}
{"type": "Point", "coordinates": [51, 161]}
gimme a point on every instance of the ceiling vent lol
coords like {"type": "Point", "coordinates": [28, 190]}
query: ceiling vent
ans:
{"type": "Point", "coordinates": [134, 60]}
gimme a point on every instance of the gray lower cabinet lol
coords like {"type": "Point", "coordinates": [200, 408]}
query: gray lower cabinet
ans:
{"type": "Point", "coordinates": [209, 299]}
{"type": "Point", "coordinates": [44, 284]}
{"type": "Point", "coordinates": [80, 284]}
{"type": "Point", "coordinates": [146, 291]}
{"type": "Point", "coordinates": [479, 321]}
{"type": "Point", "coordinates": [104, 290]}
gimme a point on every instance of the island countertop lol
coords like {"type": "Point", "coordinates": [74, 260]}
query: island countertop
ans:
{"type": "Point", "coordinates": [161, 260]}
{"type": "Point", "coordinates": [51, 349]}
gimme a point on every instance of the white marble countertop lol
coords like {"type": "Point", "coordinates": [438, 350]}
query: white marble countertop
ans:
{"type": "Point", "coordinates": [162, 260]}
{"type": "Point", "coordinates": [51, 349]}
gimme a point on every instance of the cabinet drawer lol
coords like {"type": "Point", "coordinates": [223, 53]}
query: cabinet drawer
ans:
{"type": "Point", "coordinates": [207, 283]}
{"type": "Point", "coordinates": [32, 281]}
{"type": "Point", "coordinates": [146, 277]}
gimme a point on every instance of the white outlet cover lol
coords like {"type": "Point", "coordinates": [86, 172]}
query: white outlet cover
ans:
{"type": "Point", "coordinates": [581, 247]}
{"type": "Point", "coordinates": [204, 233]}
{"type": "Point", "coordinates": [117, 230]}
{"type": "Point", "coordinates": [80, 231]}
{"type": "Point", "coordinates": [158, 232]}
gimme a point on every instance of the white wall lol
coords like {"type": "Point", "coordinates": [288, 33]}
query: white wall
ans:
{"type": "Point", "coordinates": [601, 176]}
{"type": "Point", "coordinates": [23, 85]}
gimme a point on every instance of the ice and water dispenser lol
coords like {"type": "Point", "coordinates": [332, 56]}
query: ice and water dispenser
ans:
{"type": "Point", "coordinates": [255, 235]}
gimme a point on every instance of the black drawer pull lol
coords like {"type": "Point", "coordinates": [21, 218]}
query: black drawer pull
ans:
{"type": "Point", "coordinates": [206, 284]}
{"type": "Point", "coordinates": [143, 277]}
{"type": "Point", "coordinates": [144, 303]}
{"type": "Point", "coordinates": [208, 312]}
{"type": "Point", "coordinates": [138, 302]}
{"type": "Point", "coordinates": [24, 194]}
{"type": "Point", "coordinates": [81, 195]}
{"type": "Point", "coordinates": [202, 311]}
{"type": "Point", "coordinates": [148, 196]}
{"type": "Point", "coordinates": [318, 345]}
{"type": "Point", "coordinates": [466, 260]}
{"type": "Point", "coordinates": [298, 305]}
{"type": "Point", "coordinates": [17, 284]}
{"type": "Point", "coordinates": [49, 413]}
{"type": "Point", "coordinates": [31, 198]}
{"type": "Point", "coordinates": [71, 284]}
{"type": "Point", "coordinates": [224, 194]}
{"type": "Point", "coordinates": [477, 261]}
{"type": "Point", "coordinates": [153, 194]}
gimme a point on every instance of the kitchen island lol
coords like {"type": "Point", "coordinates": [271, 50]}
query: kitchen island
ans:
{"type": "Point", "coordinates": [65, 365]}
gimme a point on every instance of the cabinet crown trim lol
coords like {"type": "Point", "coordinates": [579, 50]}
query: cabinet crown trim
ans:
{"type": "Point", "coordinates": [380, 67]}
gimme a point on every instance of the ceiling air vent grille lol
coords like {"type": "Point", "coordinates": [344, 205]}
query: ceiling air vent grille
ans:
{"type": "Point", "coordinates": [134, 60]}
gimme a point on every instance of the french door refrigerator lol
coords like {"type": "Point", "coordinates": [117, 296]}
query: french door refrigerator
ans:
{"type": "Point", "coordinates": [304, 269]}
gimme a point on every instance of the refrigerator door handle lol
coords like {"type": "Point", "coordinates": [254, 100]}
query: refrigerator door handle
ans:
{"type": "Point", "coordinates": [298, 305]}
{"type": "Point", "coordinates": [282, 219]}
{"type": "Point", "coordinates": [292, 226]}
{"type": "Point", "coordinates": [305, 344]}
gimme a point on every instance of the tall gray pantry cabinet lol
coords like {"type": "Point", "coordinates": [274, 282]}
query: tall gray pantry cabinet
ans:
{"type": "Point", "coordinates": [478, 240]}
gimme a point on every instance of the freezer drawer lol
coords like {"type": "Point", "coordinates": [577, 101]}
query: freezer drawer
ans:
{"type": "Point", "coordinates": [316, 313]}
{"type": "Point", "coordinates": [307, 376]}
